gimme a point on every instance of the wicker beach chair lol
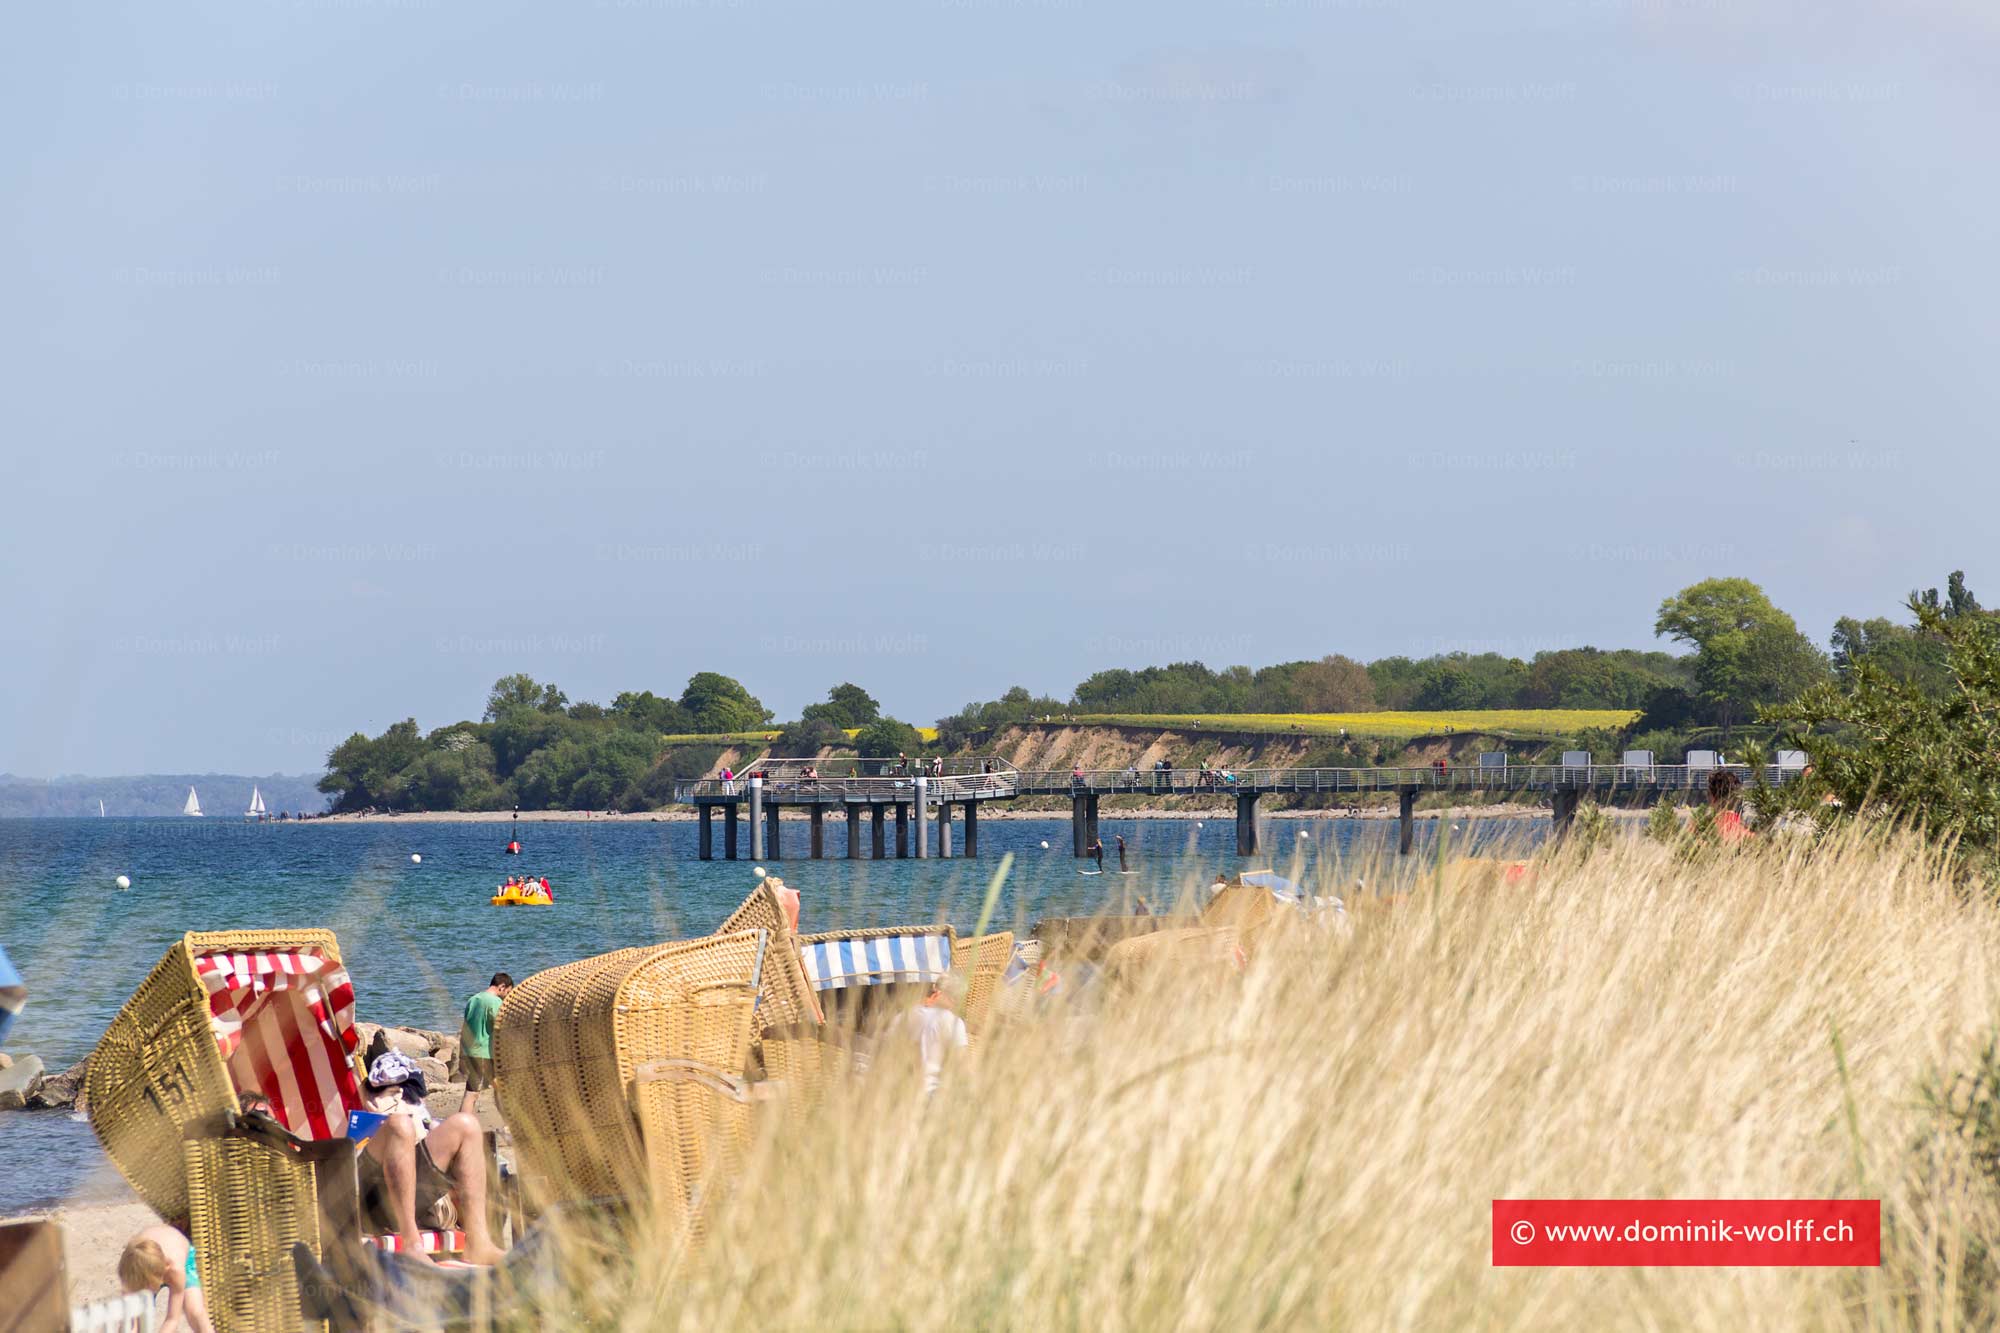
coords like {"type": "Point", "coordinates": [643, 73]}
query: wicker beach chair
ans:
{"type": "Point", "coordinates": [222, 1014]}
{"type": "Point", "coordinates": [624, 1075]}
{"type": "Point", "coordinates": [1087, 938]}
{"type": "Point", "coordinates": [981, 960]}
{"type": "Point", "coordinates": [787, 998]}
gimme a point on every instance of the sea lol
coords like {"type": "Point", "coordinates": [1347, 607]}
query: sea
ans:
{"type": "Point", "coordinates": [418, 936]}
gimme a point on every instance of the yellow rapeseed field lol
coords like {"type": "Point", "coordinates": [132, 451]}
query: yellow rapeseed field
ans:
{"type": "Point", "coordinates": [1519, 723]}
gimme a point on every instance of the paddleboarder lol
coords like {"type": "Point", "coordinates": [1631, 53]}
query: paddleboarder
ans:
{"type": "Point", "coordinates": [1121, 853]}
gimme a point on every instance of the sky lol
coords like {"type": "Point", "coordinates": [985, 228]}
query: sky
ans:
{"type": "Point", "coordinates": [359, 352]}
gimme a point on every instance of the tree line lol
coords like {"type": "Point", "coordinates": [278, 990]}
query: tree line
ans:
{"type": "Point", "coordinates": [532, 747]}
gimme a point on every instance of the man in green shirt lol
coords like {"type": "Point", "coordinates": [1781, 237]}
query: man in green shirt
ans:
{"type": "Point", "coordinates": [475, 1041]}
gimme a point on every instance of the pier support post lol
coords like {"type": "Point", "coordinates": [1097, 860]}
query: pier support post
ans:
{"type": "Point", "coordinates": [853, 832]}
{"type": "Point", "coordinates": [729, 831]}
{"type": "Point", "coordinates": [816, 845]}
{"type": "Point", "coordinates": [707, 833]}
{"type": "Point", "coordinates": [756, 819]}
{"type": "Point", "coordinates": [1246, 824]}
{"type": "Point", "coordinates": [1090, 821]}
{"type": "Point", "coordinates": [1407, 799]}
{"type": "Point", "coordinates": [1077, 841]}
{"type": "Point", "coordinates": [773, 846]}
{"type": "Point", "coordinates": [972, 828]}
{"type": "Point", "coordinates": [902, 830]}
{"type": "Point", "coordinates": [921, 809]}
{"type": "Point", "coordinates": [875, 830]}
{"type": "Point", "coordinates": [1562, 810]}
{"type": "Point", "coordinates": [944, 828]}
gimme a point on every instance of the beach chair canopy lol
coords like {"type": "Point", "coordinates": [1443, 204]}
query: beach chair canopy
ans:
{"type": "Point", "coordinates": [284, 1023]}
{"type": "Point", "coordinates": [1281, 888]}
{"type": "Point", "coordinates": [873, 958]}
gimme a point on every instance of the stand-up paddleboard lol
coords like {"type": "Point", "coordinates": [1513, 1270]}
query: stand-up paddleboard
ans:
{"type": "Point", "coordinates": [1090, 872]}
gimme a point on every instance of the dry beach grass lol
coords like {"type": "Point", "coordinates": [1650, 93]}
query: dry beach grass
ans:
{"type": "Point", "coordinates": [1315, 1144]}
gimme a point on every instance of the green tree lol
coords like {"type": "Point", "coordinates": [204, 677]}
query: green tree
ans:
{"type": "Point", "coordinates": [885, 738]}
{"type": "Point", "coordinates": [362, 772]}
{"type": "Point", "coordinates": [1882, 745]}
{"type": "Point", "coordinates": [847, 705]}
{"type": "Point", "coordinates": [522, 690]}
{"type": "Point", "coordinates": [716, 703]}
{"type": "Point", "coordinates": [1896, 649]}
{"type": "Point", "coordinates": [806, 738]}
{"type": "Point", "coordinates": [1747, 651]}
{"type": "Point", "coordinates": [649, 712]}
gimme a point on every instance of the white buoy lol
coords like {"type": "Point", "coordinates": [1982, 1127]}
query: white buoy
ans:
{"type": "Point", "coordinates": [1197, 823]}
{"type": "Point", "coordinates": [416, 858]}
{"type": "Point", "coordinates": [1304, 834]}
{"type": "Point", "coordinates": [758, 871]}
{"type": "Point", "coordinates": [1045, 844]}
{"type": "Point", "coordinates": [123, 881]}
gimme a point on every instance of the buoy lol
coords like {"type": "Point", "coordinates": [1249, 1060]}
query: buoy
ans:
{"type": "Point", "coordinates": [1304, 834]}
{"type": "Point", "coordinates": [758, 871]}
{"type": "Point", "coordinates": [416, 858]}
{"type": "Point", "coordinates": [123, 881]}
{"type": "Point", "coordinates": [1045, 844]}
{"type": "Point", "coordinates": [1197, 823]}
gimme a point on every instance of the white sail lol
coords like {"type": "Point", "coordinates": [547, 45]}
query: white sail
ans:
{"type": "Point", "coordinates": [256, 804]}
{"type": "Point", "coordinates": [100, 807]}
{"type": "Point", "coordinates": [193, 806]}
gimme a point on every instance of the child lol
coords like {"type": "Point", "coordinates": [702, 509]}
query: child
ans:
{"type": "Point", "coordinates": [159, 1257]}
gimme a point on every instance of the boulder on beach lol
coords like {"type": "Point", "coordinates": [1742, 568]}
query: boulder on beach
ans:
{"type": "Point", "coordinates": [60, 1092]}
{"type": "Point", "coordinates": [417, 1043]}
{"type": "Point", "coordinates": [19, 1081]}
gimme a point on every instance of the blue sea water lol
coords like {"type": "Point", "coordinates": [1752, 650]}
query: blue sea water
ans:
{"type": "Point", "coordinates": [418, 938]}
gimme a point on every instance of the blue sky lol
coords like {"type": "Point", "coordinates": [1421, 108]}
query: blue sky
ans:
{"type": "Point", "coordinates": [361, 353]}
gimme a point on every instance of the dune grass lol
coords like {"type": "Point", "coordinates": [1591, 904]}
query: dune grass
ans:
{"type": "Point", "coordinates": [1315, 1143]}
{"type": "Point", "coordinates": [1509, 723]}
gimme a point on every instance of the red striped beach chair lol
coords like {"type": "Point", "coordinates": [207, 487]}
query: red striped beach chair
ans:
{"type": "Point", "coordinates": [225, 1014]}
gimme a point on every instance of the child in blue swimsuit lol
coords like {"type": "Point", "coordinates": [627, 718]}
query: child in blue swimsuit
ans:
{"type": "Point", "coordinates": [159, 1257]}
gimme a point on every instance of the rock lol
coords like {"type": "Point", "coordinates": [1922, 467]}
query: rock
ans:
{"type": "Point", "coordinates": [60, 1092]}
{"type": "Point", "coordinates": [447, 1051]}
{"type": "Point", "coordinates": [6, 1060]}
{"type": "Point", "coordinates": [19, 1082]}
{"type": "Point", "coordinates": [409, 1041]}
{"type": "Point", "coordinates": [433, 1040]}
{"type": "Point", "coordinates": [435, 1074]}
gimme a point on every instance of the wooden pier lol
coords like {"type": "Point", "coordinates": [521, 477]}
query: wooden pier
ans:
{"type": "Point", "coordinates": [925, 793]}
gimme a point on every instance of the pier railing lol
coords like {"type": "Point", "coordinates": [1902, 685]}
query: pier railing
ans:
{"type": "Point", "coordinates": [801, 780]}
{"type": "Point", "coordinates": [1454, 777]}
{"type": "Point", "coordinates": [796, 781]}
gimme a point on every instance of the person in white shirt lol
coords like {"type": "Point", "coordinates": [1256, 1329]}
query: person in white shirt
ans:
{"type": "Point", "coordinates": [935, 1028]}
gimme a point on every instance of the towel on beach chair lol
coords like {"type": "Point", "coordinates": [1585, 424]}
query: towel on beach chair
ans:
{"type": "Point", "coordinates": [284, 1023]}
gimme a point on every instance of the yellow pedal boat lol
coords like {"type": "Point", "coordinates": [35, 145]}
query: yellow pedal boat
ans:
{"type": "Point", "coordinates": [522, 895]}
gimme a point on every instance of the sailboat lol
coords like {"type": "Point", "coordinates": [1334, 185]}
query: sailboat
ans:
{"type": "Point", "coordinates": [193, 806]}
{"type": "Point", "coordinates": [100, 807]}
{"type": "Point", "coordinates": [256, 810]}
